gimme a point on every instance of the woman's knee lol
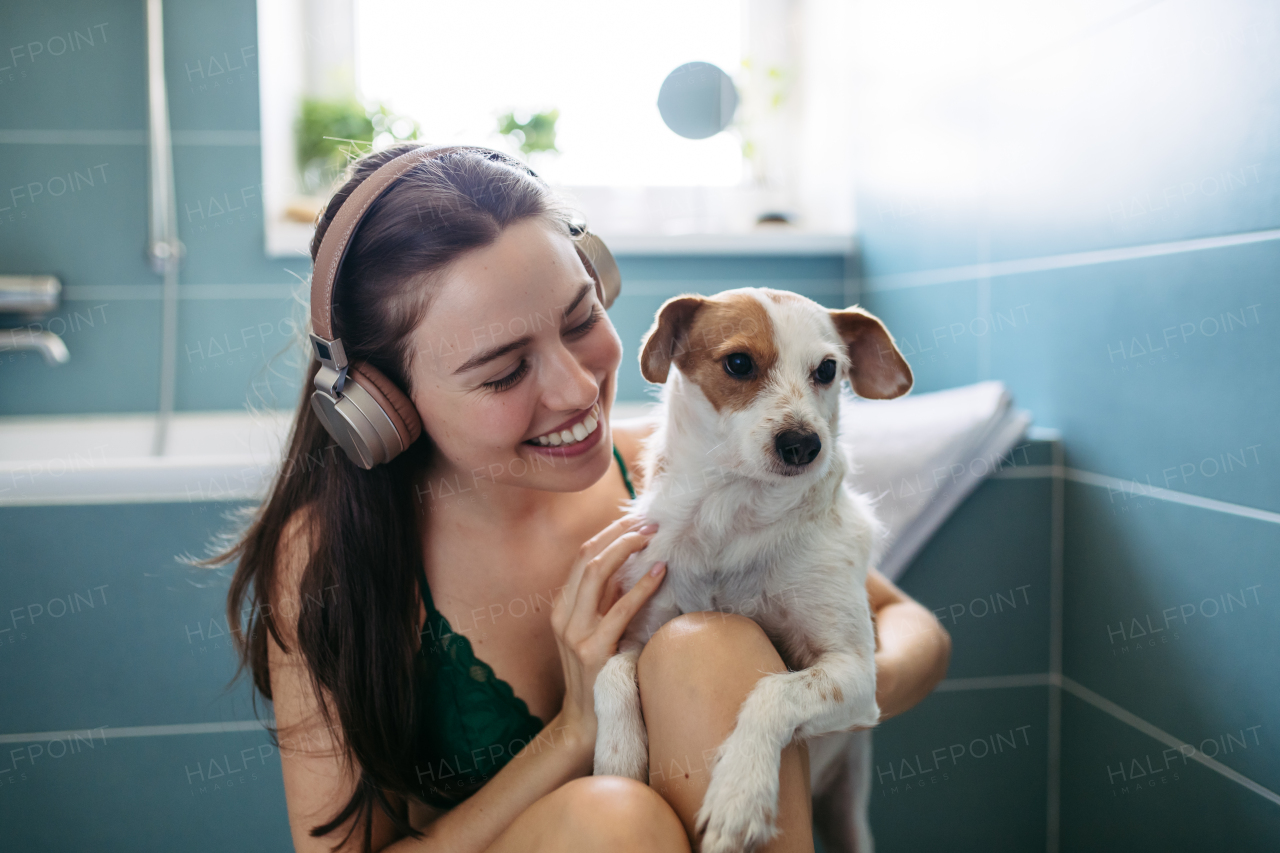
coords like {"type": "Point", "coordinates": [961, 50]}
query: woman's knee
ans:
{"type": "Point", "coordinates": [616, 813]}
{"type": "Point", "coordinates": [693, 644]}
{"type": "Point", "coordinates": [605, 813]}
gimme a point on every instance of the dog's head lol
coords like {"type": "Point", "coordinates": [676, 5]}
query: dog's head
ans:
{"type": "Point", "coordinates": [768, 364]}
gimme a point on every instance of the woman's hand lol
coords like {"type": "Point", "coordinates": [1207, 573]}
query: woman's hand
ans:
{"type": "Point", "coordinates": [586, 638]}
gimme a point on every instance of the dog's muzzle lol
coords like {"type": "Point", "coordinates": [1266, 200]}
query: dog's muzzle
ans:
{"type": "Point", "coordinates": [797, 448]}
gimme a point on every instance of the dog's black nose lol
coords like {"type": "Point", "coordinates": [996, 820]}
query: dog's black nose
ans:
{"type": "Point", "coordinates": [797, 448]}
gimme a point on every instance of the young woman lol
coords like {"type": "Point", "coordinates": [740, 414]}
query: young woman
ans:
{"type": "Point", "coordinates": [429, 631]}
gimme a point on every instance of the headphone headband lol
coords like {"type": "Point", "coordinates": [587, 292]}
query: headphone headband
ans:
{"type": "Point", "coordinates": [337, 237]}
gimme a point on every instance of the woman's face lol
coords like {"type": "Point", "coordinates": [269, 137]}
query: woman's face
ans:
{"type": "Point", "coordinates": [516, 350]}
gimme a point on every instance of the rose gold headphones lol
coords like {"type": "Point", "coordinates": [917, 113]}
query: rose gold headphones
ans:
{"type": "Point", "coordinates": [370, 418]}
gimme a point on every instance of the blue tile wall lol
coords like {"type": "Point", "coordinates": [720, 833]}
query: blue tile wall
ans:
{"type": "Point", "coordinates": [1119, 126]}
{"type": "Point", "coordinates": [974, 762]}
{"type": "Point", "coordinates": [1128, 793]}
{"type": "Point", "coordinates": [147, 793]}
{"type": "Point", "coordinates": [1130, 129]}
{"type": "Point", "coordinates": [986, 576]}
{"type": "Point", "coordinates": [142, 634]}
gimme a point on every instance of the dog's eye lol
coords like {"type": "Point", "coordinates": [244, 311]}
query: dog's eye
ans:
{"type": "Point", "coordinates": [825, 372]}
{"type": "Point", "coordinates": [738, 364]}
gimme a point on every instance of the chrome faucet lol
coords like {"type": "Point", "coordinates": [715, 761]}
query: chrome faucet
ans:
{"type": "Point", "coordinates": [32, 295]}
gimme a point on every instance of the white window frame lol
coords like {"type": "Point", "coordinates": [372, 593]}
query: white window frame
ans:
{"type": "Point", "coordinates": [807, 148]}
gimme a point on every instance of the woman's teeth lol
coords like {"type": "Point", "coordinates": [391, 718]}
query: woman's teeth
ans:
{"type": "Point", "coordinates": [576, 433]}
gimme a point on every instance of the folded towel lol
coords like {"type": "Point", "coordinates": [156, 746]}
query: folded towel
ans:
{"type": "Point", "coordinates": [920, 456]}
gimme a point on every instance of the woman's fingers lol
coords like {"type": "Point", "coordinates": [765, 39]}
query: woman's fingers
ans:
{"type": "Point", "coordinates": [625, 609]}
{"type": "Point", "coordinates": [591, 549]}
{"type": "Point", "coordinates": [612, 592]}
{"type": "Point", "coordinates": [598, 571]}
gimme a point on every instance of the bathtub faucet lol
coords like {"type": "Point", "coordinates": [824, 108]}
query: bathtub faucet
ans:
{"type": "Point", "coordinates": [47, 344]}
{"type": "Point", "coordinates": [32, 296]}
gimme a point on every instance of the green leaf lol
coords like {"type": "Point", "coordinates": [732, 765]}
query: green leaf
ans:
{"type": "Point", "coordinates": [538, 133]}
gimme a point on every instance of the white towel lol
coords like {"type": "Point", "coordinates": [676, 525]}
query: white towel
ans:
{"type": "Point", "coordinates": [920, 456]}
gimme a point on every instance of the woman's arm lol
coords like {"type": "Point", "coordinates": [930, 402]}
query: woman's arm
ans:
{"type": "Point", "coordinates": [912, 647]}
{"type": "Point", "coordinates": [317, 783]}
{"type": "Point", "coordinates": [556, 756]}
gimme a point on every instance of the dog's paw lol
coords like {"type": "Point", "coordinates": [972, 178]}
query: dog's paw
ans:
{"type": "Point", "coordinates": [622, 742]}
{"type": "Point", "coordinates": [866, 716]}
{"type": "Point", "coordinates": [739, 810]}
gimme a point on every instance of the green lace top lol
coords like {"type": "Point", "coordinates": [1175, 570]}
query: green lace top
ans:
{"type": "Point", "coordinates": [470, 723]}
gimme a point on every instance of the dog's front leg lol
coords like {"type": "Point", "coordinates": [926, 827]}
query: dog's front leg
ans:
{"type": "Point", "coordinates": [622, 741]}
{"type": "Point", "coordinates": [740, 807]}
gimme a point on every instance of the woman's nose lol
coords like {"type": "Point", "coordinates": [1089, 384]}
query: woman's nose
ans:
{"type": "Point", "coordinates": [570, 384]}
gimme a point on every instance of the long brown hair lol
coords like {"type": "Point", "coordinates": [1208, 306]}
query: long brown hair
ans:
{"type": "Point", "coordinates": [364, 548]}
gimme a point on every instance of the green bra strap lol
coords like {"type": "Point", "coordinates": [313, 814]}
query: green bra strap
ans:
{"type": "Point", "coordinates": [623, 466]}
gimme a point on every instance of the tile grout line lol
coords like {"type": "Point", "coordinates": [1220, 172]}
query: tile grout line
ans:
{"type": "Point", "coordinates": [142, 731]}
{"type": "Point", "coordinates": [1057, 538]}
{"type": "Point", "coordinates": [993, 682]}
{"type": "Point", "coordinates": [1107, 706]}
{"type": "Point", "coordinates": [217, 138]}
{"type": "Point", "coordinates": [997, 682]}
{"type": "Point", "coordinates": [1133, 487]}
{"type": "Point", "coordinates": [1046, 263]}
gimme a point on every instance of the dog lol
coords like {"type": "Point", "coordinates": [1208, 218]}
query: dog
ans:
{"type": "Point", "coordinates": [745, 478]}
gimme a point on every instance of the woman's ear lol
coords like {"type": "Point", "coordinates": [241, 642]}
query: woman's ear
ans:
{"type": "Point", "coordinates": [877, 370]}
{"type": "Point", "coordinates": [662, 343]}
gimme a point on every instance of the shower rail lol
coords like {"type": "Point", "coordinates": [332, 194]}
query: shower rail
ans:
{"type": "Point", "coordinates": [164, 250]}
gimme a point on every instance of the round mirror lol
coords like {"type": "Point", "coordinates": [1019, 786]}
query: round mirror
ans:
{"type": "Point", "coordinates": [697, 100]}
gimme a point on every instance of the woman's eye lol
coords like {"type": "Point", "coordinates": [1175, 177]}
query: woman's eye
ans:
{"type": "Point", "coordinates": [510, 379]}
{"type": "Point", "coordinates": [738, 364]}
{"type": "Point", "coordinates": [825, 372]}
{"type": "Point", "coordinates": [580, 330]}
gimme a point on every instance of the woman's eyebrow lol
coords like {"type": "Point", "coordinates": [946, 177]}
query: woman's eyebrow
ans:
{"type": "Point", "coordinates": [582, 291]}
{"type": "Point", "coordinates": [499, 351]}
{"type": "Point", "coordinates": [490, 354]}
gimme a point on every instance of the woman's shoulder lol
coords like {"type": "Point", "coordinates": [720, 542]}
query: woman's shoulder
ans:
{"type": "Point", "coordinates": [629, 434]}
{"type": "Point", "coordinates": [293, 553]}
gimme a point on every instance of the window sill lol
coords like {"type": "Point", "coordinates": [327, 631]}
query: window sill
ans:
{"type": "Point", "coordinates": [287, 239]}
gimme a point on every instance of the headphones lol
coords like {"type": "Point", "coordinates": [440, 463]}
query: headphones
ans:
{"type": "Point", "coordinates": [370, 418]}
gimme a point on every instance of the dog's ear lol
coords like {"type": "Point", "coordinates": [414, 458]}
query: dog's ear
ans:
{"type": "Point", "coordinates": [877, 370]}
{"type": "Point", "coordinates": [662, 343]}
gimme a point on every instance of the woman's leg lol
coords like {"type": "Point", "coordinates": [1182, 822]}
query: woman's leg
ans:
{"type": "Point", "coordinates": [596, 813]}
{"type": "Point", "coordinates": [694, 674]}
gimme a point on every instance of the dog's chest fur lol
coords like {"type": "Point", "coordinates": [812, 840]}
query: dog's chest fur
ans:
{"type": "Point", "coordinates": [789, 557]}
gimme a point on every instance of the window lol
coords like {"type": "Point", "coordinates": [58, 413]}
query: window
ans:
{"type": "Point", "coordinates": [454, 69]}
{"type": "Point", "coordinates": [564, 55]}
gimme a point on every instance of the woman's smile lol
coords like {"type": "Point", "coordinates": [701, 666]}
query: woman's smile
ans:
{"type": "Point", "coordinates": [575, 436]}
{"type": "Point", "coordinates": [571, 431]}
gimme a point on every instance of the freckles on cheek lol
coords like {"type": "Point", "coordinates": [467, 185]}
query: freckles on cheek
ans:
{"type": "Point", "coordinates": [497, 425]}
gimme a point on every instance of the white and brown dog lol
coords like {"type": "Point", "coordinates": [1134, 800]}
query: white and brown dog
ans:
{"type": "Point", "coordinates": [746, 481]}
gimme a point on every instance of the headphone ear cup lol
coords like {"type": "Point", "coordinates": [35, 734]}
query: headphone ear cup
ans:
{"type": "Point", "coordinates": [392, 402]}
{"type": "Point", "coordinates": [600, 264]}
{"type": "Point", "coordinates": [372, 421]}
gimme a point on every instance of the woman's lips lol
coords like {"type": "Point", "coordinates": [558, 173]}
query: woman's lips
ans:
{"type": "Point", "coordinates": [590, 427]}
{"type": "Point", "coordinates": [572, 431]}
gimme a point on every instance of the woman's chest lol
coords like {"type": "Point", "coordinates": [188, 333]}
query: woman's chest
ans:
{"type": "Point", "coordinates": [499, 594]}
{"type": "Point", "coordinates": [510, 630]}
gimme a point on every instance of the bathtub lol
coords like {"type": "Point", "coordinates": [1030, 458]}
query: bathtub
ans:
{"type": "Point", "coordinates": [97, 459]}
